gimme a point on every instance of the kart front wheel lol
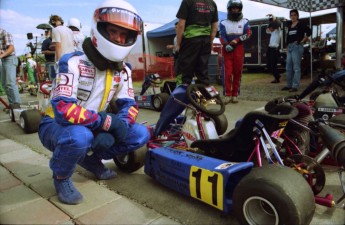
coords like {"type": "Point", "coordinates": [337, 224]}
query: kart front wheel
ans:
{"type": "Point", "coordinates": [132, 161]}
{"type": "Point", "coordinates": [273, 195]}
{"type": "Point", "coordinates": [29, 120]}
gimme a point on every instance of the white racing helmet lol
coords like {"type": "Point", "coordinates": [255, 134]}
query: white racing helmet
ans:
{"type": "Point", "coordinates": [119, 13]}
{"type": "Point", "coordinates": [74, 22]}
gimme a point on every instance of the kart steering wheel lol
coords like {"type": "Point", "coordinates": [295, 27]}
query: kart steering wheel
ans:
{"type": "Point", "coordinates": [155, 78]}
{"type": "Point", "coordinates": [201, 96]}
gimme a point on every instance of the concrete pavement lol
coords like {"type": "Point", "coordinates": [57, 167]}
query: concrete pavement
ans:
{"type": "Point", "coordinates": [27, 195]}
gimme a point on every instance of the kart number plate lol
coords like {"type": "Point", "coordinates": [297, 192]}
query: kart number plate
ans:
{"type": "Point", "coordinates": [207, 186]}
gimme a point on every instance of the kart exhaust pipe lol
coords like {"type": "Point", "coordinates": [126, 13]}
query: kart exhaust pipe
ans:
{"type": "Point", "coordinates": [334, 140]}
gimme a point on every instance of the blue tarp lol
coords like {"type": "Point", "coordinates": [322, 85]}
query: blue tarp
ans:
{"type": "Point", "coordinates": [169, 28]}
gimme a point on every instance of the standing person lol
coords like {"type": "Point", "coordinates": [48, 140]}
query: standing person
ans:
{"type": "Point", "coordinates": [62, 37]}
{"type": "Point", "coordinates": [297, 36]}
{"type": "Point", "coordinates": [31, 66]}
{"type": "Point", "coordinates": [273, 47]}
{"type": "Point", "coordinates": [173, 48]}
{"type": "Point", "coordinates": [75, 25]}
{"type": "Point", "coordinates": [76, 121]}
{"type": "Point", "coordinates": [233, 32]}
{"type": "Point", "coordinates": [49, 54]}
{"type": "Point", "coordinates": [196, 30]}
{"type": "Point", "coordinates": [9, 62]}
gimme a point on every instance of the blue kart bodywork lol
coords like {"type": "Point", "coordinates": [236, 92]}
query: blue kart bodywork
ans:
{"type": "Point", "coordinates": [207, 179]}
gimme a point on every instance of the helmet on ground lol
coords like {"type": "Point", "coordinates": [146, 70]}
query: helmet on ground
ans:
{"type": "Point", "coordinates": [124, 16]}
{"type": "Point", "coordinates": [235, 4]}
{"type": "Point", "coordinates": [74, 23]}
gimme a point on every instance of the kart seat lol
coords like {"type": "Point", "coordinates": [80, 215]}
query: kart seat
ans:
{"type": "Point", "coordinates": [237, 145]}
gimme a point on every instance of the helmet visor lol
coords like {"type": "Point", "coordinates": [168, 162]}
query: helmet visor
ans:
{"type": "Point", "coordinates": [119, 17]}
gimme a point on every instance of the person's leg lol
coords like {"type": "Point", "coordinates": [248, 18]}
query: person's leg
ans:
{"type": "Point", "coordinates": [188, 56]}
{"type": "Point", "coordinates": [228, 73]}
{"type": "Point", "coordinates": [201, 67]}
{"type": "Point", "coordinates": [8, 74]}
{"type": "Point", "coordinates": [296, 60]}
{"type": "Point", "coordinates": [69, 145]}
{"type": "Point", "coordinates": [171, 109]}
{"type": "Point", "coordinates": [138, 135]}
{"type": "Point", "coordinates": [289, 67]}
{"type": "Point", "coordinates": [275, 71]}
{"type": "Point", "coordinates": [237, 69]}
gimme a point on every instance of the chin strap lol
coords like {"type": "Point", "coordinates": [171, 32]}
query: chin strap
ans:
{"type": "Point", "coordinates": [97, 59]}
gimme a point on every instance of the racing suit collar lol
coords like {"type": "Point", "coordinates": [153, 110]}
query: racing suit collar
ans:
{"type": "Point", "coordinates": [97, 59]}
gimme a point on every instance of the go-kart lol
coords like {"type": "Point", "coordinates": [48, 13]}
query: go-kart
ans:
{"type": "Point", "coordinates": [152, 96]}
{"type": "Point", "coordinates": [30, 115]}
{"type": "Point", "coordinates": [219, 171]}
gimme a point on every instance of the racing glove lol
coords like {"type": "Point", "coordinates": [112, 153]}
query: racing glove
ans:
{"type": "Point", "coordinates": [114, 125]}
{"type": "Point", "coordinates": [229, 48]}
{"type": "Point", "coordinates": [244, 37]}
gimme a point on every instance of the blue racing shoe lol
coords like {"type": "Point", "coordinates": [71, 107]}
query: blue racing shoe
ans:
{"type": "Point", "coordinates": [66, 192]}
{"type": "Point", "coordinates": [95, 166]}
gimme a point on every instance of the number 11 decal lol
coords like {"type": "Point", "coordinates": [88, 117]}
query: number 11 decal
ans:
{"type": "Point", "coordinates": [207, 186]}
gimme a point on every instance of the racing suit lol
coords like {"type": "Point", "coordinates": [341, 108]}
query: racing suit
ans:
{"type": "Point", "coordinates": [232, 63]}
{"type": "Point", "coordinates": [79, 92]}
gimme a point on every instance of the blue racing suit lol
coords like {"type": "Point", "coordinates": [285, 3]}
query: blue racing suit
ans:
{"type": "Point", "coordinates": [79, 92]}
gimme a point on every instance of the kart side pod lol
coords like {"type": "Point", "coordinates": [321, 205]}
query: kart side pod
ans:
{"type": "Point", "coordinates": [207, 179]}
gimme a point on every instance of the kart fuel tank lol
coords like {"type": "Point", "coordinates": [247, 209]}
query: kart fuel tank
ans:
{"type": "Point", "coordinates": [191, 133]}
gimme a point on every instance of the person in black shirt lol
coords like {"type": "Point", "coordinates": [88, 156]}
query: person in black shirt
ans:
{"type": "Point", "coordinates": [49, 54]}
{"type": "Point", "coordinates": [297, 35]}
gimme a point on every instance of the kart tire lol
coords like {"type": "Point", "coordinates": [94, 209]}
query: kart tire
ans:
{"type": "Point", "coordinates": [301, 138]}
{"type": "Point", "coordinates": [131, 161]}
{"type": "Point", "coordinates": [220, 123]}
{"type": "Point", "coordinates": [29, 120]}
{"type": "Point", "coordinates": [273, 194]}
{"type": "Point", "coordinates": [159, 101]}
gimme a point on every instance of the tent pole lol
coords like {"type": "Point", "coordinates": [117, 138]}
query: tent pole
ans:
{"type": "Point", "coordinates": [339, 35]}
{"type": "Point", "coordinates": [311, 49]}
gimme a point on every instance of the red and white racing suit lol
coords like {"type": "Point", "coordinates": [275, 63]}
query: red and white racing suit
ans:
{"type": "Point", "coordinates": [79, 92]}
{"type": "Point", "coordinates": [232, 64]}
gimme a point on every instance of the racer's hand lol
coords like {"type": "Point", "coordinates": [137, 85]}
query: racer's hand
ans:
{"type": "Point", "coordinates": [229, 48]}
{"type": "Point", "coordinates": [112, 124]}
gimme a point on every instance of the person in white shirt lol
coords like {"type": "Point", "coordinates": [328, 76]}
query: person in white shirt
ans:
{"type": "Point", "coordinates": [62, 37]}
{"type": "Point", "coordinates": [273, 47]}
{"type": "Point", "coordinates": [75, 25]}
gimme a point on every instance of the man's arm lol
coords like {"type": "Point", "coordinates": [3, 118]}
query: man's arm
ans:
{"type": "Point", "coordinates": [179, 33]}
{"type": "Point", "coordinates": [214, 28]}
{"type": "Point", "coordinates": [8, 52]}
{"type": "Point", "coordinates": [57, 51]}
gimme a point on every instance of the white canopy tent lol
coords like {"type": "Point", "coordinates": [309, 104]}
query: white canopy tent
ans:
{"type": "Point", "coordinates": [313, 6]}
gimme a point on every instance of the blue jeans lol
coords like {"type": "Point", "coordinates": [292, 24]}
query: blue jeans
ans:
{"type": "Point", "coordinates": [69, 144]}
{"type": "Point", "coordinates": [8, 78]}
{"type": "Point", "coordinates": [293, 65]}
{"type": "Point", "coordinates": [51, 70]}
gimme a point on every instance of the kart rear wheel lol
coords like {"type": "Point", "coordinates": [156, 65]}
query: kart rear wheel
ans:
{"type": "Point", "coordinates": [159, 101]}
{"type": "Point", "coordinates": [29, 120]}
{"type": "Point", "coordinates": [132, 161]}
{"type": "Point", "coordinates": [273, 195]}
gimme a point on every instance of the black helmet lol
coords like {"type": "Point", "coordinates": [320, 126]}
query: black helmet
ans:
{"type": "Point", "coordinates": [235, 16]}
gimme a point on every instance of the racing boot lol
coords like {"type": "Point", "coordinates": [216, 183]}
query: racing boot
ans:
{"type": "Point", "coordinates": [66, 191]}
{"type": "Point", "coordinates": [94, 165]}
